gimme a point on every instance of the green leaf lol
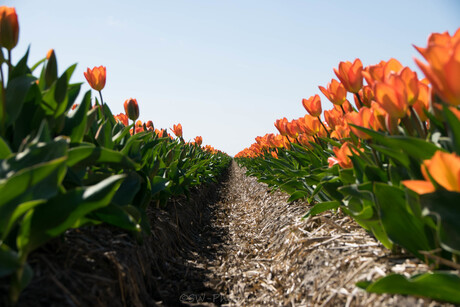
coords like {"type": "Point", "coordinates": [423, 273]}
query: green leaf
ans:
{"type": "Point", "coordinates": [441, 286]}
{"type": "Point", "coordinates": [444, 206]}
{"type": "Point", "coordinates": [400, 224]}
{"type": "Point", "coordinates": [16, 93]}
{"type": "Point", "coordinates": [63, 211]}
{"type": "Point", "coordinates": [159, 184]}
{"type": "Point", "coordinates": [297, 195]}
{"type": "Point", "coordinates": [75, 122]}
{"type": "Point", "coordinates": [116, 216]}
{"type": "Point", "coordinates": [453, 128]}
{"type": "Point", "coordinates": [33, 183]}
{"type": "Point", "coordinates": [321, 207]}
{"type": "Point", "coordinates": [5, 150]}
{"type": "Point", "coordinates": [88, 155]}
{"type": "Point", "coordinates": [9, 261]}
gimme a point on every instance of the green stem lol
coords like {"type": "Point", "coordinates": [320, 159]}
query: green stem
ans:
{"type": "Point", "coordinates": [343, 110]}
{"type": "Point", "coordinates": [9, 63]}
{"type": "Point", "coordinates": [406, 121]}
{"type": "Point", "coordinates": [327, 131]}
{"type": "Point", "coordinates": [359, 100]}
{"type": "Point", "coordinates": [421, 129]}
{"type": "Point", "coordinates": [3, 119]}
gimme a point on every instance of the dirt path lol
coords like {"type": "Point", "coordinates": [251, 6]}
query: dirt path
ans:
{"type": "Point", "coordinates": [267, 256]}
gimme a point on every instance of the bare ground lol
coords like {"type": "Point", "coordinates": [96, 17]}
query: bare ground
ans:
{"type": "Point", "coordinates": [232, 244]}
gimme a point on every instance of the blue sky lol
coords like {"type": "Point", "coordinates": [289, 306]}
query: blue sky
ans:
{"type": "Point", "coordinates": [225, 69]}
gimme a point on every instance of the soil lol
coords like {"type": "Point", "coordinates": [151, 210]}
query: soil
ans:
{"type": "Point", "coordinates": [235, 244]}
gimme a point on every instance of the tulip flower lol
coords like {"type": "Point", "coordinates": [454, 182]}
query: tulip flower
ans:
{"type": "Point", "coordinates": [199, 140]}
{"type": "Point", "coordinates": [131, 109]}
{"type": "Point", "coordinates": [392, 96]}
{"type": "Point", "coordinates": [335, 92]}
{"type": "Point", "coordinates": [9, 28]}
{"type": "Point", "coordinates": [122, 118]}
{"type": "Point", "coordinates": [363, 118]}
{"type": "Point", "coordinates": [342, 155]}
{"type": "Point", "coordinates": [313, 105]}
{"type": "Point", "coordinates": [350, 74]}
{"type": "Point", "coordinates": [96, 77]}
{"type": "Point", "coordinates": [280, 124]}
{"type": "Point", "coordinates": [381, 71]}
{"type": "Point", "coordinates": [443, 68]}
{"type": "Point", "coordinates": [149, 125]}
{"type": "Point", "coordinates": [364, 97]}
{"type": "Point", "coordinates": [443, 169]}
{"type": "Point", "coordinates": [177, 129]}
{"type": "Point", "coordinates": [333, 117]}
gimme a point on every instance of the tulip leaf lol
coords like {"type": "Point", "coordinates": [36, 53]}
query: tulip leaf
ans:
{"type": "Point", "coordinates": [88, 155]}
{"type": "Point", "coordinates": [116, 216]}
{"type": "Point", "coordinates": [400, 224]}
{"type": "Point", "coordinates": [5, 150]}
{"type": "Point", "coordinates": [321, 207]}
{"type": "Point", "coordinates": [75, 122]}
{"type": "Point", "coordinates": [20, 69]}
{"type": "Point", "coordinates": [9, 261]}
{"type": "Point", "coordinates": [441, 286]}
{"type": "Point", "coordinates": [453, 127]}
{"type": "Point", "coordinates": [444, 206]}
{"type": "Point", "coordinates": [37, 182]}
{"type": "Point", "coordinates": [16, 93]}
{"type": "Point", "coordinates": [62, 211]}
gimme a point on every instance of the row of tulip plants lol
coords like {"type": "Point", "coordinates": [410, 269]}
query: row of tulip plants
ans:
{"type": "Point", "coordinates": [64, 165]}
{"type": "Point", "coordinates": [391, 162]}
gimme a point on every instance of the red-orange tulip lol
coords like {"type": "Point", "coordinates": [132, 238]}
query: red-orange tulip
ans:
{"type": "Point", "coordinates": [96, 77]}
{"type": "Point", "coordinates": [280, 124]}
{"type": "Point", "coordinates": [363, 118]}
{"type": "Point", "coordinates": [366, 95]}
{"type": "Point", "coordinates": [177, 129]}
{"type": "Point", "coordinates": [350, 74]}
{"type": "Point", "coordinates": [149, 125]}
{"type": "Point", "coordinates": [131, 109]}
{"type": "Point", "coordinates": [9, 27]}
{"type": "Point", "coordinates": [335, 92]}
{"type": "Point", "coordinates": [444, 168]}
{"type": "Point", "coordinates": [312, 105]}
{"type": "Point", "coordinates": [343, 155]}
{"type": "Point", "coordinates": [443, 68]}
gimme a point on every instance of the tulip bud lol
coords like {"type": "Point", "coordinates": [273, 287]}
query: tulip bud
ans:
{"type": "Point", "coordinates": [9, 27]}
{"type": "Point", "coordinates": [131, 109]}
{"type": "Point", "coordinates": [51, 70]}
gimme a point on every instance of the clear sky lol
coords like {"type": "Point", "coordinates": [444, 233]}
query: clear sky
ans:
{"type": "Point", "coordinates": [225, 69]}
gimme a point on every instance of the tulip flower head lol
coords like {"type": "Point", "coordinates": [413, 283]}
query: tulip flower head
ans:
{"type": "Point", "coordinates": [199, 140]}
{"type": "Point", "coordinates": [442, 70]}
{"type": "Point", "coordinates": [335, 92]}
{"type": "Point", "coordinates": [444, 170]}
{"type": "Point", "coordinates": [351, 75]}
{"type": "Point", "coordinates": [312, 105]}
{"type": "Point", "coordinates": [131, 109]}
{"type": "Point", "coordinates": [177, 129]}
{"type": "Point", "coordinates": [9, 27]}
{"type": "Point", "coordinates": [96, 77]}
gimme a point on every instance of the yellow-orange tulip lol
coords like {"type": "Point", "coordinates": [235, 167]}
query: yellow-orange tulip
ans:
{"type": "Point", "coordinates": [444, 169]}
{"type": "Point", "coordinates": [313, 105]}
{"type": "Point", "coordinates": [443, 68]}
{"type": "Point", "coordinates": [351, 75]}
{"type": "Point", "coordinates": [96, 77]}
{"type": "Point", "coordinates": [9, 27]}
{"type": "Point", "coordinates": [335, 92]}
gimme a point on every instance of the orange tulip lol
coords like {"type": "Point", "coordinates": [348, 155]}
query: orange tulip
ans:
{"type": "Point", "coordinates": [9, 27]}
{"type": "Point", "coordinates": [345, 107]}
{"type": "Point", "coordinates": [392, 96]}
{"type": "Point", "coordinates": [149, 125]}
{"type": "Point", "coordinates": [350, 74]}
{"type": "Point", "coordinates": [379, 117]}
{"type": "Point", "coordinates": [122, 118]}
{"type": "Point", "coordinates": [311, 124]}
{"type": "Point", "coordinates": [131, 109]}
{"type": "Point", "coordinates": [423, 101]}
{"type": "Point", "coordinates": [363, 118]}
{"type": "Point", "coordinates": [366, 95]}
{"type": "Point", "coordinates": [444, 169]}
{"type": "Point", "coordinates": [96, 77]}
{"type": "Point", "coordinates": [335, 92]}
{"type": "Point", "coordinates": [177, 129]}
{"type": "Point", "coordinates": [341, 131]}
{"type": "Point", "coordinates": [343, 155]}
{"type": "Point", "coordinates": [333, 117]}
{"type": "Point", "coordinates": [280, 124]}
{"type": "Point", "coordinates": [443, 68]}
{"type": "Point", "coordinates": [199, 140]}
{"type": "Point", "coordinates": [381, 71]}
{"type": "Point", "coordinates": [313, 105]}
